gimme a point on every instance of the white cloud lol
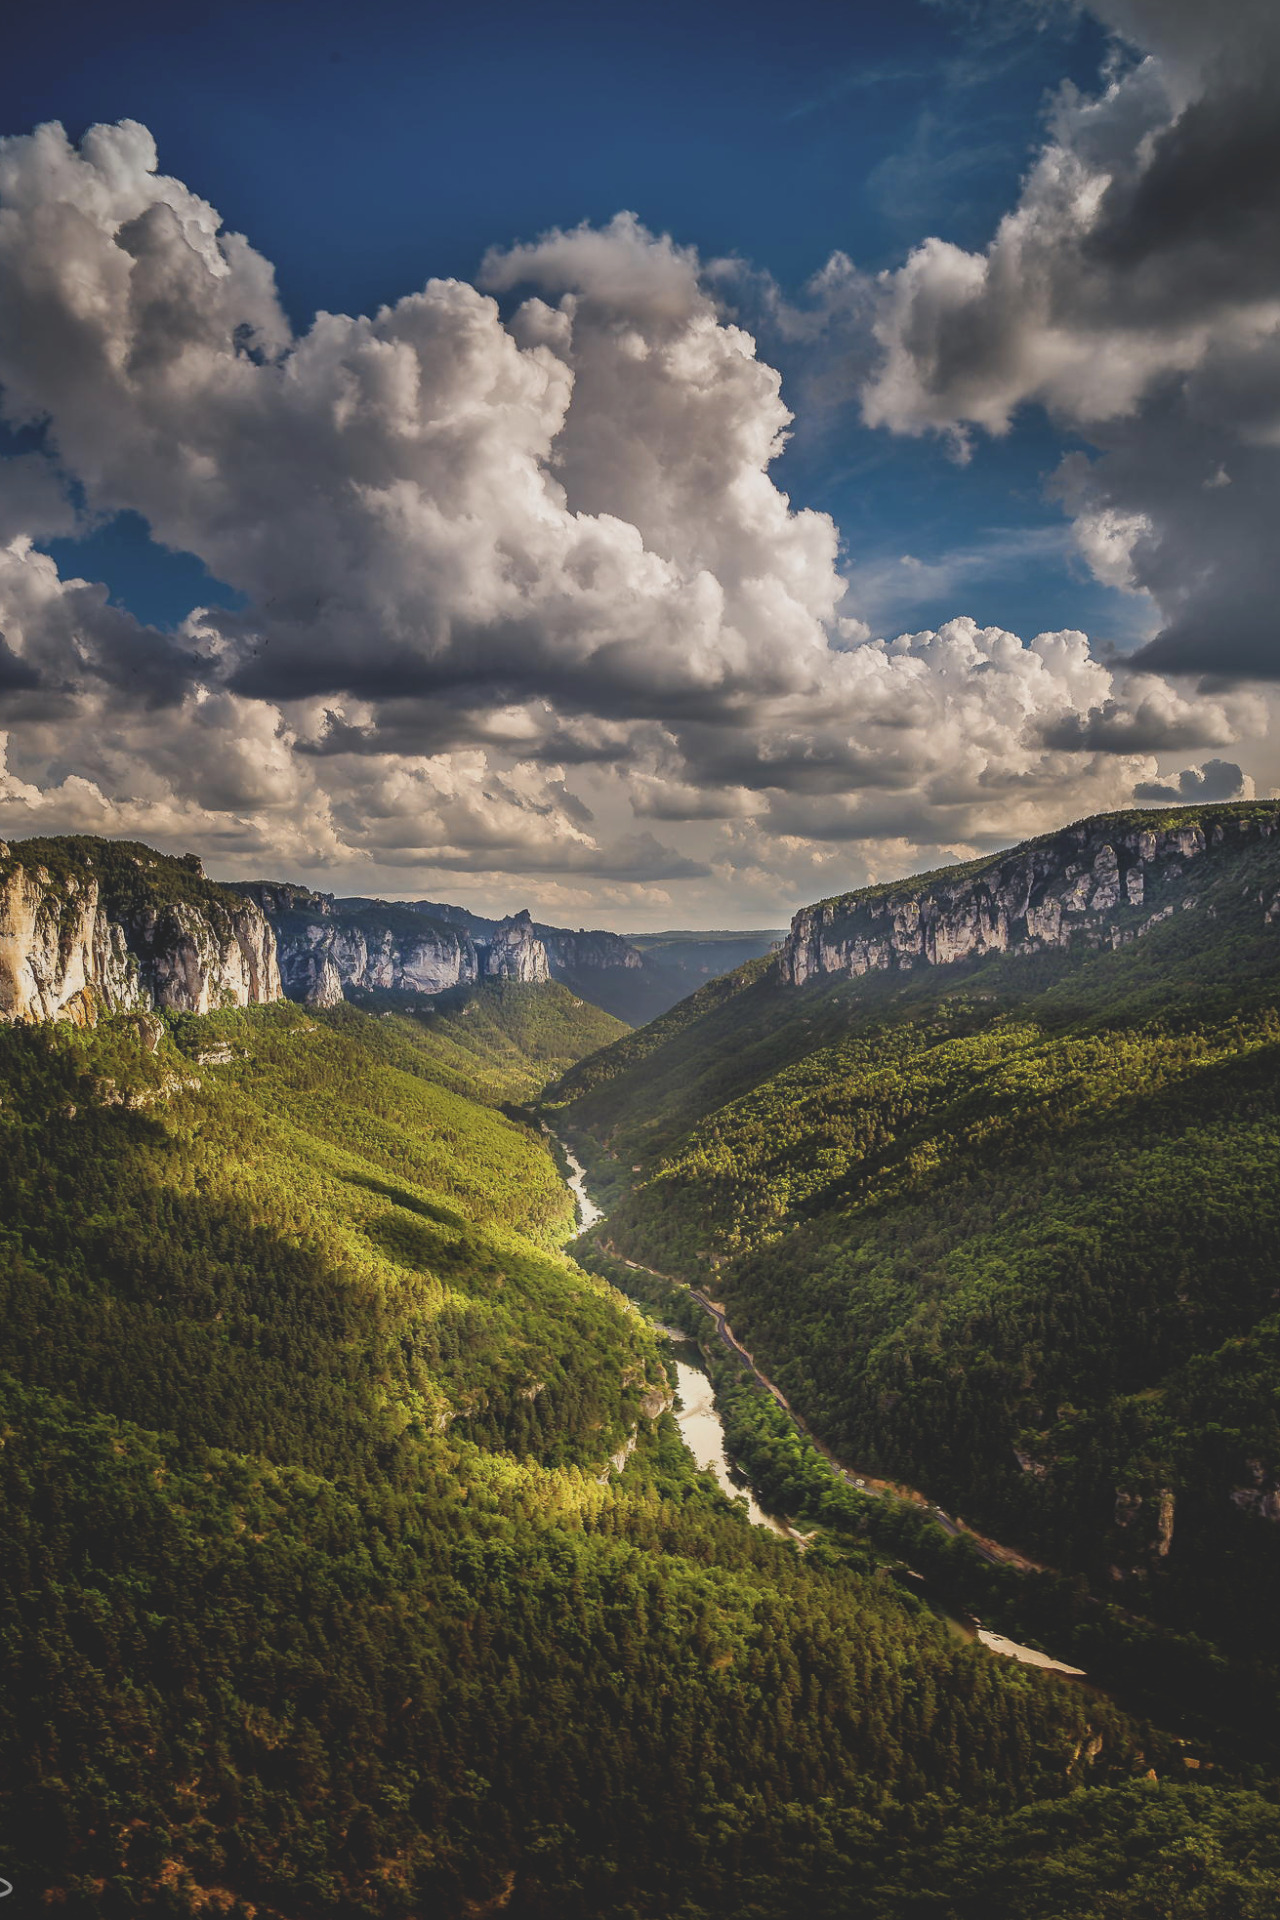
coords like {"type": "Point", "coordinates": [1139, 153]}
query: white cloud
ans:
{"type": "Point", "coordinates": [514, 587]}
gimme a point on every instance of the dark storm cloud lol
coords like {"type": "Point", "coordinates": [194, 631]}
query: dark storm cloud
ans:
{"type": "Point", "coordinates": [15, 675]}
{"type": "Point", "coordinates": [1204, 213]}
{"type": "Point", "coordinates": [1135, 292]}
{"type": "Point", "coordinates": [1216, 780]}
{"type": "Point", "coordinates": [1147, 721]}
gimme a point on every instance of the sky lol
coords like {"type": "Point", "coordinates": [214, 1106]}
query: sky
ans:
{"type": "Point", "coordinates": [660, 464]}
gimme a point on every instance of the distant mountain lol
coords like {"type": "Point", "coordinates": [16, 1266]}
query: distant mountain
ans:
{"type": "Point", "coordinates": [677, 964]}
{"type": "Point", "coordinates": [329, 945]}
{"type": "Point", "coordinates": [983, 1167]}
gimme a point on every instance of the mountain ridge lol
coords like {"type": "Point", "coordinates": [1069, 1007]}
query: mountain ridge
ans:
{"type": "Point", "coordinates": [329, 943]}
{"type": "Point", "coordinates": [1088, 882]}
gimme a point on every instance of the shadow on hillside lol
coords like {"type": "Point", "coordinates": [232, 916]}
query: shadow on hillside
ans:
{"type": "Point", "coordinates": [433, 1210]}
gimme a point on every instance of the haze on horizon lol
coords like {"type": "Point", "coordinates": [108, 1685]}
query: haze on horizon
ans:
{"type": "Point", "coordinates": [773, 454]}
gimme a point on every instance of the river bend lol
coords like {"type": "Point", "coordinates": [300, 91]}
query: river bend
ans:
{"type": "Point", "coordinates": [703, 1432]}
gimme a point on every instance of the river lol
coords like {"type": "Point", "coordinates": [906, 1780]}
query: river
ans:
{"type": "Point", "coordinates": [696, 1415]}
{"type": "Point", "coordinates": [588, 1211]}
{"type": "Point", "coordinates": [703, 1432]}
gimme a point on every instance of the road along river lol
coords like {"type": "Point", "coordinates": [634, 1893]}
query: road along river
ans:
{"type": "Point", "coordinates": [703, 1433]}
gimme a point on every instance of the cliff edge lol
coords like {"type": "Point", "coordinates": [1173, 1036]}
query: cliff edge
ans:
{"type": "Point", "coordinates": [326, 945]}
{"type": "Point", "coordinates": [1099, 883]}
{"type": "Point", "coordinates": [92, 926]}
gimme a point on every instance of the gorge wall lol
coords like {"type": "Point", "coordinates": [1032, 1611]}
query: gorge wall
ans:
{"type": "Point", "coordinates": [1096, 884]}
{"type": "Point", "coordinates": [93, 926]}
{"type": "Point", "coordinates": [326, 945]}
{"type": "Point", "coordinates": [588, 953]}
{"type": "Point", "coordinates": [329, 943]}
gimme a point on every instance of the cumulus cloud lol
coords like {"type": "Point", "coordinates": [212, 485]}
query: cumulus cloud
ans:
{"type": "Point", "coordinates": [516, 578]}
{"type": "Point", "coordinates": [1134, 291]}
{"type": "Point", "coordinates": [1215, 780]}
{"type": "Point", "coordinates": [408, 501]}
{"type": "Point", "coordinates": [97, 751]}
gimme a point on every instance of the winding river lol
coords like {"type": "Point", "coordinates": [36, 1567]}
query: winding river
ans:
{"type": "Point", "coordinates": [588, 1211]}
{"type": "Point", "coordinates": [703, 1433]}
{"type": "Point", "coordinates": [695, 1412]}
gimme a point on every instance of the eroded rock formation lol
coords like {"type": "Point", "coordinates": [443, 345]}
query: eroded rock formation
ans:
{"type": "Point", "coordinates": [515, 952]}
{"type": "Point", "coordinates": [97, 926]}
{"type": "Point", "coordinates": [1100, 883]}
{"type": "Point", "coordinates": [327, 945]}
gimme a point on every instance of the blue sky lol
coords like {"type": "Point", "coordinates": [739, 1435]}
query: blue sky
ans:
{"type": "Point", "coordinates": [363, 150]}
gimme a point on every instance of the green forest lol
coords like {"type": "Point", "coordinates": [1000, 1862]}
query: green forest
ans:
{"type": "Point", "coordinates": [502, 1042]}
{"type": "Point", "coordinates": [1006, 1231]}
{"type": "Point", "coordinates": [352, 1563]}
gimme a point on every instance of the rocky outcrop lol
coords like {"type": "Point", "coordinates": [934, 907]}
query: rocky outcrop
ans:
{"type": "Point", "coordinates": [655, 1401]}
{"type": "Point", "coordinates": [1096, 884]}
{"type": "Point", "coordinates": [1261, 1496]}
{"type": "Point", "coordinates": [327, 945]}
{"type": "Point", "coordinates": [515, 952]}
{"type": "Point", "coordinates": [587, 952]}
{"type": "Point", "coordinates": [96, 926]}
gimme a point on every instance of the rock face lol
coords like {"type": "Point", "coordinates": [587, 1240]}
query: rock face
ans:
{"type": "Point", "coordinates": [327, 945]}
{"type": "Point", "coordinates": [1096, 884]}
{"type": "Point", "coordinates": [568, 953]}
{"type": "Point", "coordinates": [97, 926]}
{"type": "Point", "coordinates": [583, 952]}
{"type": "Point", "coordinates": [515, 952]}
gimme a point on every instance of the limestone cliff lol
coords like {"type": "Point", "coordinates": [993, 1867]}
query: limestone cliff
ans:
{"type": "Point", "coordinates": [92, 926]}
{"type": "Point", "coordinates": [515, 951]}
{"type": "Point", "coordinates": [578, 958]}
{"type": "Point", "coordinates": [587, 952]}
{"type": "Point", "coordinates": [1097, 884]}
{"type": "Point", "coordinates": [327, 945]}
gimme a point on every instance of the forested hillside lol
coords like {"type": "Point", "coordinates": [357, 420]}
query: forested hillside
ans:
{"type": "Point", "coordinates": [501, 1041]}
{"type": "Point", "coordinates": [1006, 1229]}
{"type": "Point", "coordinates": [320, 1595]}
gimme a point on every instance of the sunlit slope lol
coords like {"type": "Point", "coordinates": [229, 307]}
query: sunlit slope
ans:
{"type": "Point", "coordinates": [340, 1248]}
{"type": "Point", "coordinates": [500, 1041]}
{"type": "Point", "coordinates": [316, 1594]}
{"type": "Point", "coordinates": [1008, 1228]}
